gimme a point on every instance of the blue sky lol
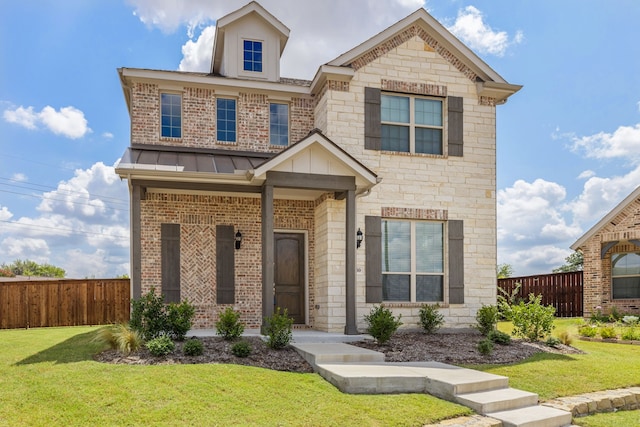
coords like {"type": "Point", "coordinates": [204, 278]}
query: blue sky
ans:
{"type": "Point", "coordinates": [568, 142]}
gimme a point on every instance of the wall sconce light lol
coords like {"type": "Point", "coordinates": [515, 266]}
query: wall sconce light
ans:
{"type": "Point", "coordinates": [238, 239]}
{"type": "Point", "coordinates": [359, 238]}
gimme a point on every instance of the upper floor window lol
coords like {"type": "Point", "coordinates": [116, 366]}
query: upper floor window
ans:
{"type": "Point", "coordinates": [279, 124]}
{"type": "Point", "coordinates": [411, 124]}
{"type": "Point", "coordinates": [412, 260]}
{"type": "Point", "coordinates": [625, 275]}
{"type": "Point", "coordinates": [226, 119]}
{"type": "Point", "coordinates": [252, 59]}
{"type": "Point", "coordinates": [171, 115]}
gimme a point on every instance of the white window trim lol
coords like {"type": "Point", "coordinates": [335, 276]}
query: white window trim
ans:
{"type": "Point", "coordinates": [288, 104]}
{"type": "Point", "coordinates": [413, 273]}
{"type": "Point", "coordinates": [246, 73]}
{"type": "Point", "coordinates": [180, 93]}
{"type": "Point", "coordinates": [412, 122]}
{"type": "Point", "coordinates": [218, 141]}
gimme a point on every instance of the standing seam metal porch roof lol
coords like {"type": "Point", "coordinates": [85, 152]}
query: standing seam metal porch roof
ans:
{"type": "Point", "coordinates": [165, 158]}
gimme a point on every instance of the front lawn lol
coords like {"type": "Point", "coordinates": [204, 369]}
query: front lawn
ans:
{"type": "Point", "coordinates": [603, 366]}
{"type": "Point", "coordinates": [48, 377]}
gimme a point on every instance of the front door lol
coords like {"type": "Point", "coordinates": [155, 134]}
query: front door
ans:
{"type": "Point", "coordinates": [289, 274]}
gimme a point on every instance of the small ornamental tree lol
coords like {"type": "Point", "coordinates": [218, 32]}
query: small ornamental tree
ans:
{"type": "Point", "coordinates": [532, 320]}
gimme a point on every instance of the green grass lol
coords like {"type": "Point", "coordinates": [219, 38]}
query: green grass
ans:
{"type": "Point", "coordinates": [610, 419]}
{"type": "Point", "coordinates": [48, 377]}
{"type": "Point", "coordinates": [603, 366]}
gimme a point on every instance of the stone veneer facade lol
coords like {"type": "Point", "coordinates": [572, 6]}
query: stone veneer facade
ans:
{"type": "Point", "coordinates": [413, 186]}
{"type": "Point", "coordinates": [597, 272]}
{"type": "Point", "coordinates": [422, 186]}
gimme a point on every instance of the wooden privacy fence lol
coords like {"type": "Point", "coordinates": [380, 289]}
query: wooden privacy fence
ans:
{"type": "Point", "coordinates": [561, 290]}
{"type": "Point", "coordinates": [39, 303]}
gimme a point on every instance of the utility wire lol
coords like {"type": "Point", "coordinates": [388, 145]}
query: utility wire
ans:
{"type": "Point", "coordinates": [63, 229]}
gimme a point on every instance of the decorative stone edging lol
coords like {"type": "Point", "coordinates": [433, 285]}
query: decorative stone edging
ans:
{"type": "Point", "coordinates": [611, 340]}
{"type": "Point", "coordinates": [599, 401]}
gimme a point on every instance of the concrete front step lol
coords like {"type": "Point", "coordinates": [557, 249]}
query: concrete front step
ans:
{"type": "Point", "coordinates": [533, 416]}
{"type": "Point", "coordinates": [497, 400]}
{"type": "Point", "coordinates": [321, 353]}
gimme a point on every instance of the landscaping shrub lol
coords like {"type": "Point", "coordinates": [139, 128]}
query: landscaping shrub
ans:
{"type": "Point", "coordinates": [381, 324]}
{"type": "Point", "coordinates": [630, 333]}
{"type": "Point", "coordinates": [552, 342]}
{"type": "Point", "coordinates": [160, 346]}
{"type": "Point", "coordinates": [152, 318]}
{"type": "Point", "coordinates": [278, 329]}
{"type": "Point", "coordinates": [565, 338]}
{"type": "Point", "coordinates": [598, 316]}
{"type": "Point", "coordinates": [630, 320]}
{"type": "Point", "coordinates": [241, 349]}
{"type": "Point", "coordinates": [608, 332]}
{"type": "Point", "coordinates": [193, 347]}
{"type": "Point", "coordinates": [485, 347]}
{"type": "Point", "coordinates": [228, 325]}
{"type": "Point", "coordinates": [120, 337]}
{"type": "Point", "coordinates": [430, 319]}
{"type": "Point", "coordinates": [532, 320]}
{"type": "Point", "coordinates": [499, 337]}
{"type": "Point", "coordinates": [588, 330]}
{"type": "Point", "coordinates": [148, 316]}
{"type": "Point", "coordinates": [615, 315]}
{"type": "Point", "coordinates": [179, 319]}
{"type": "Point", "coordinates": [487, 319]}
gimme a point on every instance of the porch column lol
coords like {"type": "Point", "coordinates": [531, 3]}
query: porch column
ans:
{"type": "Point", "coordinates": [267, 253]}
{"type": "Point", "coordinates": [136, 243]}
{"type": "Point", "coordinates": [350, 270]}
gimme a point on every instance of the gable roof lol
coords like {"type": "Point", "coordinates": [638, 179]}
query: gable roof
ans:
{"type": "Point", "coordinates": [607, 218]}
{"type": "Point", "coordinates": [425, 26]}
{"type": "Point", "coordinates": [249, 8]}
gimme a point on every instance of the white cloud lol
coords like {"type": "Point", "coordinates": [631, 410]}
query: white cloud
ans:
{"type": "Point", "coordinates": [19, 177]}
{"type": "Point", "coordinates": [600, 195]}
{"type": "Point", "coordinates": [197, 55]}
{"type": "Point", "coordinates": [624, 142]}
{"type": "Point", "coordinates": [107, 135]}
{"type": "Point", "coordinates": [5, 215]}
{"type": "Point", "coordinates": [84, 224]}
{"type": "Point", "coordinates": [24, 117]}
{"type": "Point", "coordinates": [25, 248]}
{"type": "Point", "coordinates": [68, 121]}
{"type": "Point", "coordinates": [586, 174]}
{"type": "Point", "coordinates": [470, 27]}
{"type": "Point", "coordinates": [305, 51]}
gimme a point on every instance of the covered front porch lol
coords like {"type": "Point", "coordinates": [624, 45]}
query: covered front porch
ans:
{"type": "Point", "coordinates": [306, 251]}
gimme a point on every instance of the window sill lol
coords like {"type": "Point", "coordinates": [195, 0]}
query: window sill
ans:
{"type": "Point", "coordinates": [170, 139]}
{"type": "Point", "coordinates": [413, 304]}
{"type": "Point", "coordinates": [404, 153]}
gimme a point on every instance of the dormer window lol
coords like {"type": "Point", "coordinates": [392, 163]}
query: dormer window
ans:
{"type": "Point", "coordinates": [252, 56]}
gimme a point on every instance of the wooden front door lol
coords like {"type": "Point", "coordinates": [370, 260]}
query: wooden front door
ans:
{"type": "Point", "coordinates": [289, 274]}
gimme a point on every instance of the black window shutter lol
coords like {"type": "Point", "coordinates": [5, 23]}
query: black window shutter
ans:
{"type": "Point", "coordinates": [373, 270]}
{"type": "Point", "coordinates": [456, 261]}
{"type": "Point", "coordinates": [170, 261]}
{"type": "Point", "coordinates": [225, 264]}
{"type": "Point", "coordinates": [372, 119]}
{"type": "Point", "coordinates": [455, 120]}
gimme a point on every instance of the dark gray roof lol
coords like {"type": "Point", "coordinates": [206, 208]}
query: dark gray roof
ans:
{"type": "Point", "coordinates": [191, 160]}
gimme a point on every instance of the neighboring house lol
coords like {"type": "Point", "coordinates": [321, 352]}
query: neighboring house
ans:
{"type": "Point", "coordinates": [374, 182]}
{"type": "Point", "coordinates": [611, 250]}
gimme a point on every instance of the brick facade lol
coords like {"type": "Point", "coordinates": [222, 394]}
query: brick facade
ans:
{"type": "Point", "coordinates": [597, 271]}
{"type": "Point", "coordinates": [198, 216]}
{"type": "Point", "coordinates": [199, 118]}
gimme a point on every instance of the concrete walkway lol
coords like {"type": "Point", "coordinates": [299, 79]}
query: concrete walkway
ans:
{"type": "Point", "coordinates": [361, 371]}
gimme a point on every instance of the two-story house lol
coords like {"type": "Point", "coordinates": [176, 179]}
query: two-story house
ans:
{"type": "Point", "coordinates": [373, 183]}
